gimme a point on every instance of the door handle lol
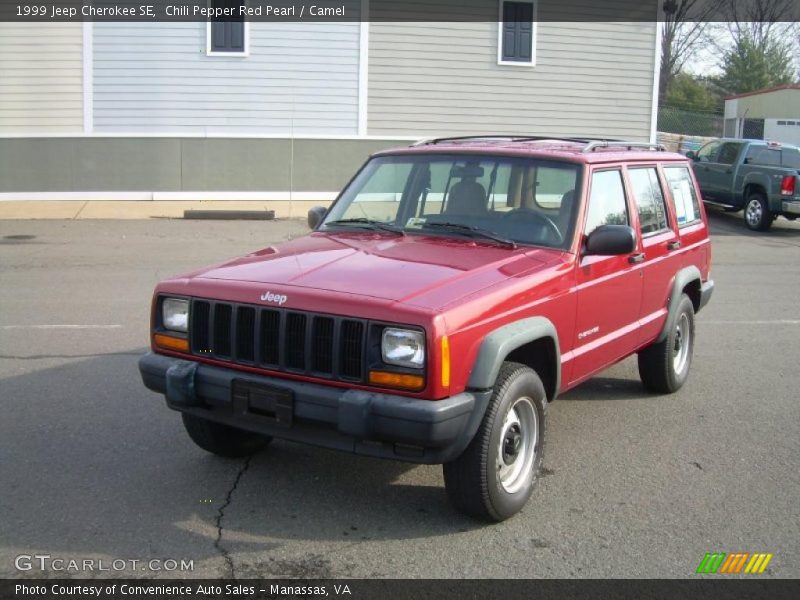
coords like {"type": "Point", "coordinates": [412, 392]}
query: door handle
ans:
{"type": "Point", "coordinates": [636, 258]}
{"type": "Point", "coordinates": [673, 245]}
{"type": "Point", "coordinates": [729, 171]}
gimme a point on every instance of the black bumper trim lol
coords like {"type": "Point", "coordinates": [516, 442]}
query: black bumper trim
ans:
{"type": "Point", "coordinates": [374, 424]}
{"type": "Point", "coordinates": [706, 290]}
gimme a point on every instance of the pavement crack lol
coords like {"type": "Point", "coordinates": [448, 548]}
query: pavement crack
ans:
{"type": "Point", "coordinates": [221, 515]}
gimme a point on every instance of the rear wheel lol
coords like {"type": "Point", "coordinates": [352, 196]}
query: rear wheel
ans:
{"type": "Point", "coordinates": [756, 212]}
{"type": "Point", "coordinates": [223, 440]}
{"type": "Point", "coordinates": [494, 477]}
{"type": "Point", "coordinates": [664, 366]}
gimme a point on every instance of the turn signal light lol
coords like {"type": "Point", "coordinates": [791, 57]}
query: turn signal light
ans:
{"type": "Point", "coordinates": [171, 343]}
{"type": "Point", "coordinates": [445, 362]}
{"type": "Point", "coordinates": [397, 380]}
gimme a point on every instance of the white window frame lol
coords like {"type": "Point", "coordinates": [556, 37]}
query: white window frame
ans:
{"type": "Point", "coordinates": [534, 34]}
{"type": "Point", "coordinates": [243, 54]}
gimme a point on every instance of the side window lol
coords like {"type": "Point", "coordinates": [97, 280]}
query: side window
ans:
{"type": "Point", "coordinates": [684, 196]}
{"type": "Point", "coordinates": [516, 33]}
{"type": "Point", "coordinates": [728, 153]}
{"type": "Point", "coordinates": [791, 158]}
{"type": "Point", "coordinates": [227, 35]}
{"type": "Point", "coordinates": [763, 155]}
{"type": "Point", "coordinates": [649, 200]}
{"type": "Point", "coordinates": [709, 152]}
{"type": "Point", "coordinates": [607, 204]}
{"type": "Point", "coordinates": [380, 196]}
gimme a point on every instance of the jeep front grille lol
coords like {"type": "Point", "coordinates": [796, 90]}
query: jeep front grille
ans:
{"type": "Point", "coordinates": [279, 339]}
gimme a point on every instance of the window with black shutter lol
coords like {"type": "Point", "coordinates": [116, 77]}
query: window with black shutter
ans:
{"type": "Point", "coordinates": [516, 29]}
{"type": "Point", "coordinates": [227, 34]}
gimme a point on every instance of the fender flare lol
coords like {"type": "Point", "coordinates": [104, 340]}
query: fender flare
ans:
{"type": "Point", "coordinates": [498, 344]}
{"type": "Point", "coordinates": [683, 278]}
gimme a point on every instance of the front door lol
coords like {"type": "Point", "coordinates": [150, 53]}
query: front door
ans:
{"type": "Point", "coordinates": [716, 174]}
{"type": "Point", "coordinates": [609, 287]}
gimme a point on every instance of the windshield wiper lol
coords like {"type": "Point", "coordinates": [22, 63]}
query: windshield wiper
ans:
{"type": "Point", "coordinates": [474, 231]}
{"type": "Point", "coordinates": [367, 224]}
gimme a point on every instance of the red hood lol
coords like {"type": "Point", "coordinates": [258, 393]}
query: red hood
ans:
{"type": "Point", "coordinates": [414, 269]}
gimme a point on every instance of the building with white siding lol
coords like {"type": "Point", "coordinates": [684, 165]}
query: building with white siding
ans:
{"type": "Point", "coordinates": [266, 110]}
{"type": "Point", "coordinates": [771, 114]}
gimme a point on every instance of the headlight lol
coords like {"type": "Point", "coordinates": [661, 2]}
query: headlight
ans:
{"type": "Point", "coordinates": [403, 348]}
{"type": "Point", "coordinates": [175, 314]}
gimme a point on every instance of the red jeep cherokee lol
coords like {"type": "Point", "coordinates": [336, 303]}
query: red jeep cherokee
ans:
{"type": "Point", "coordinates": [453, 290]}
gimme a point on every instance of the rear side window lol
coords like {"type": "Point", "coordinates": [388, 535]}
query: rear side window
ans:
{"type": "Point", "coordinates": [791, 158]}
{"type": "Point", "coordinates": [764, 156]}
{"type": "Point", "coordinates": [607, 205]}
{"type": "Point", "coordinates": [684, 196]}
{"type": "Point", "coordinates": [649, 200]}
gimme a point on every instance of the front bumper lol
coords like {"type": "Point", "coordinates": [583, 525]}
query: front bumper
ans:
{"type": "Point", "coordinates": [373, 424]}
{"type": "Point", "coordinates": [791, 206]}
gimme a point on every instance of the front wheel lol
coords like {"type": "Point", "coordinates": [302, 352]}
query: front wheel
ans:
{"type": "Point", "coordinates": [664, 366]}
{"type": "Point", "coordinates": [494, 477]}
{"type": "Point", "coordinates": [756, 212]}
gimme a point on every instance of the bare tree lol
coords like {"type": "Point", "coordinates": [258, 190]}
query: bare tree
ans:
{"type": "Point", "coordinates": [761, 21]}
{"type": "Point", "coordinates": [684, 33]}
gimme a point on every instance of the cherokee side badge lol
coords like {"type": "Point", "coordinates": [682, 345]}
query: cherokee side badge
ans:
{"type": "Point", "coordinates": [278, 299]}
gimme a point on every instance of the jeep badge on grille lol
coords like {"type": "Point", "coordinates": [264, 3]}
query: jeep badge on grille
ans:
{"type": "Point", "coordinates": [275, 298]}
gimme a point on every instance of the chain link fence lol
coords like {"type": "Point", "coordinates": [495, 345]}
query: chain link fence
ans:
{"type": "Point", "coordinates": [689, 122]}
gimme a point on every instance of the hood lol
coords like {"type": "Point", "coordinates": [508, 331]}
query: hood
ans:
{"type": "Point", "coordinates": [414, 269]}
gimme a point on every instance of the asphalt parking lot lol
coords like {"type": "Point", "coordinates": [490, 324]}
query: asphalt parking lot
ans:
{"type": "Point", "coordinates": [92, 465]}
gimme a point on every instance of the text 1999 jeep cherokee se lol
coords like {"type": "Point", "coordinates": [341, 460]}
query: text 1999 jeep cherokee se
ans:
{"type": "Point", "coordinates": [453, 290]}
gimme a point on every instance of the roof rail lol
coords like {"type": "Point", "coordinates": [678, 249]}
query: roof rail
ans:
{"type": "Point", "coordinates": [591, 143]}
{"type": "Point", "coordinates": [512, 138]}
{"type": "Point", "coordinates": [594, 145]}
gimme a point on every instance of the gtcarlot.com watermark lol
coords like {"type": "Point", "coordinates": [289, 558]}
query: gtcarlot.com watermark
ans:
{"type": "Point", "coordinates": [46, 562]}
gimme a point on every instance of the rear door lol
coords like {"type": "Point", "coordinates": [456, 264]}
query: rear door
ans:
{"type": "Point", "coordinates": [609, 288]}
{"type": "Point", "coordinates": [660, 246]}
{"type": "Point", "coordinates": [689, 216]}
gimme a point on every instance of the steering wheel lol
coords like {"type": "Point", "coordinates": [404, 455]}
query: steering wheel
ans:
{"type": "Point", "coordinates": [550, 227]}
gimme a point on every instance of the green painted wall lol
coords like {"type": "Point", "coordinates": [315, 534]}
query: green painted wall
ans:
{"type": "Point", "coordinates": [181, 164]}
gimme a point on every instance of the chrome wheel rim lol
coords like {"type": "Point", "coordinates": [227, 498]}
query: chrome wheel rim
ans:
{"type": "Point", "coordinates": [680, 351]}
{"type": "Point", "coordinates": [754, 212]}
{"type": "Point", "coordinates": [516, 452]}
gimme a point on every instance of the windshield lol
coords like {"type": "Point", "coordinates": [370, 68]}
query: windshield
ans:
{"type": "Point", "coordinates": [514, 200]}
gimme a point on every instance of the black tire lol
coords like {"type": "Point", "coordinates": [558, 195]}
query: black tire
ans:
{"type": "Point", "coordinates": [223, 440]}
{"type": "Point", "coordinates": [757, 216]}
{"type": "Point", "coordinates": [661, 369]}
{"type": "Point", "coordinates": [473, 480]}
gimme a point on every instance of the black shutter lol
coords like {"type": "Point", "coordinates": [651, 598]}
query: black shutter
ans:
{"type": "Point", "coordinates": [227, 34]}
{"type": "Point", "coordinates": [517, 31]}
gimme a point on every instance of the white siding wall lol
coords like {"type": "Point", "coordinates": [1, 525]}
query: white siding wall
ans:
{"type": "Point", "coordinates": [299, 77]}
{"type": "Point", "coordinates": [593, 78]}
{"type": "Point", "coordinates": [41, 77]}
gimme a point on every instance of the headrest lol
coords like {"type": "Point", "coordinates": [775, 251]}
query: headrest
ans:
{"type": "Point", "coordinates": [471, 170]}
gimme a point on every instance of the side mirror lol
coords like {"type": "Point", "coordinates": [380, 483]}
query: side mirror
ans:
{"type": "Point", "coordinates": [691, 155]}
{"type": "Point", "coordinates": [611, 240]}
{"type": "Point", "coordinates": [315, 216]}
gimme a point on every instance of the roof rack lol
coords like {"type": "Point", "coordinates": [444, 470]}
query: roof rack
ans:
{"type": "Point", "coordinates": [594, 145]}
{"type": "Point", "coordinates": [513, 139]}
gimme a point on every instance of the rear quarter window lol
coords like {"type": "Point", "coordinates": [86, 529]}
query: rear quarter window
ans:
{"type": "Point", "coordinates": [683, 196]}
{"type": "Point", "coordinates": [791, 158]}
